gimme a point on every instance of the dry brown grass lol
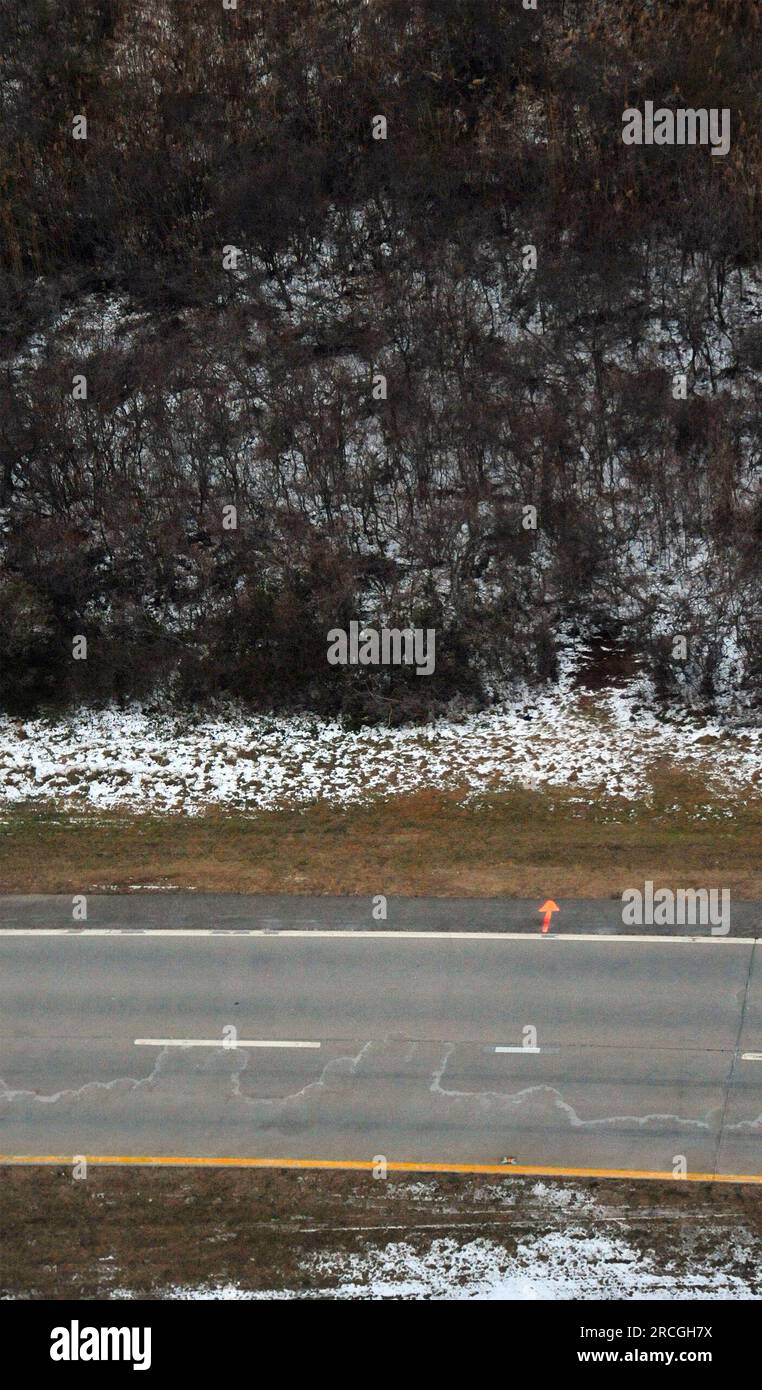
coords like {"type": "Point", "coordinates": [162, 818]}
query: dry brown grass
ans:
{"type": "Point", "coordinates": [150, 1230]}
{"type": "Point", "coordinates": [429, 843]}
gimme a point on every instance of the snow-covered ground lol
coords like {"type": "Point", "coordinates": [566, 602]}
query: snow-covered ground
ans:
{"type": "Point", "coordinates": [562, 1264]}
{"type": "Point", "coordinates": [604, 743]}
{"type": "Point", "coordinates": [558, 1265]}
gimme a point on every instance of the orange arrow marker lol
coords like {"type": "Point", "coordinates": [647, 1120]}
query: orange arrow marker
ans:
{"type": "Point", "coordinates": [548, 908]}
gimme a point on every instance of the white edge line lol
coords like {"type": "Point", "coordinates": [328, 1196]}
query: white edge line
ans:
{"type": "Point", "coordinates": [364, 934]}
{"type": "Point", "coordinates": [220, 1042]}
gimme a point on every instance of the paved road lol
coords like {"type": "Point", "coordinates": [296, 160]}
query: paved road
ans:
{"type": "Point", "coordinates": [599, 916]}
{"type": "Point", "coordinates": [640, 1048]}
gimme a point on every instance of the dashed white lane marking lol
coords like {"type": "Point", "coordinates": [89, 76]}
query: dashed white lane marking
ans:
{"type": "Point", "coordinates": [363, 934]}
{"type": "Point", "coordinates": [518, 1049]}
{"type": "Point", "coordinates": [751, 1056]}
{"type": "Point", "coordinates": [222, 1042]}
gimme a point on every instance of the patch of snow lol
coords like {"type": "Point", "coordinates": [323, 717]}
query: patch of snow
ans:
{"type": "Point", "coordinates": [606, 743]}
{"type": "Point", "coordinates": [559, 1265]}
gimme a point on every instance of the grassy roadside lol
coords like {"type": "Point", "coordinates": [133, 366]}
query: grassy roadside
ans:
{"type": "Point", "coordinates": [153, 1230]}
{"type": "Point", "coordinates": [518, 843]}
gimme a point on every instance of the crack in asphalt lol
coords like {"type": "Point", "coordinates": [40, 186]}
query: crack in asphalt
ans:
{"type": "Point", "coordinates": [238, 1062]}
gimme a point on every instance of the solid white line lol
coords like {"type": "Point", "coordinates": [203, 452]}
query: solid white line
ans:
{"type": "Point", "coordinates": [219, 1042]}
{"type": "Point", "coordinates": [365, 934]}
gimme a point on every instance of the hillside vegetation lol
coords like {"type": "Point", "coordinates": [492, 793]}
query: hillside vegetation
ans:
{"type": "Point", "coordinates": [254, 383]}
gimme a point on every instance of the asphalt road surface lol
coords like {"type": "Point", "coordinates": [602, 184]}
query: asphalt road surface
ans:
{"type": "Point", "coordinates": [643, 1054]}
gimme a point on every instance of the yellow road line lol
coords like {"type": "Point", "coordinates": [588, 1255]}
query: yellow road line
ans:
{"type": "Point", "coordinates": [368, 1165]}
